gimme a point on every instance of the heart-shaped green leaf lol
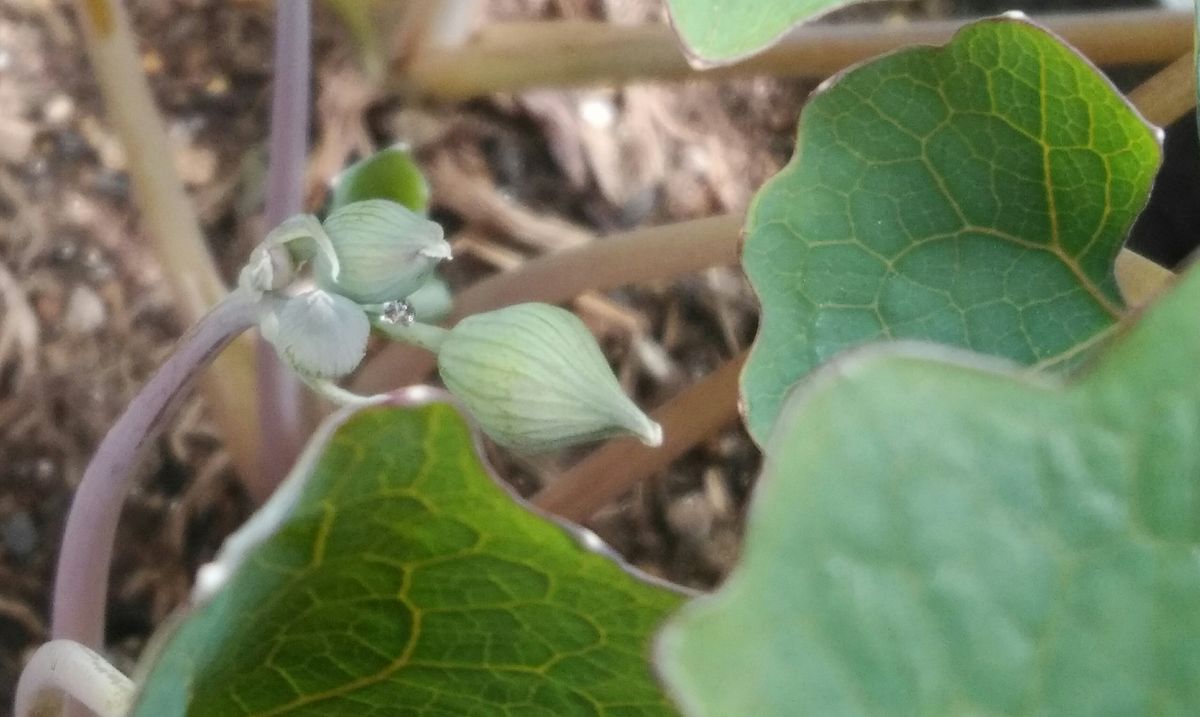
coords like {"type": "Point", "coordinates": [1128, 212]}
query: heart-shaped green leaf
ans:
{"type": "Point", "coordinates": [974, 195]}
{"type": "Point", "coordinates": [716, 32]}
{"type": "Point", "coordinates": [405, 581]}
{"type": "Point", "coordinates": [935, 537]}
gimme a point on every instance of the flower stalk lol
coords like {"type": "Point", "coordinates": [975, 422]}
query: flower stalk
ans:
{"type": "Point", "coordinates": [280, 405]}
{"type": "Point", "coordinates": [81, 584]}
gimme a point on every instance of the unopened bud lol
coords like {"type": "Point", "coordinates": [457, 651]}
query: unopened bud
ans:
{"type": "Point", "coordinates": [384, 251]}
{"type": "Point", "coordinates": [535, 380]}
{"type": "Point", "coordinates": [319, 334]}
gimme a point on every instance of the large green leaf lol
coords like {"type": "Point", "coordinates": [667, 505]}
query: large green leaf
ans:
{"type": "Point", "coordinates": [718, 32]}
{"type": "Point", "coordinates": [935, 537]}
{"type": "Point", "coordinates": [405, 581]}
{"type": "Point", "coordinates": [974, 195]}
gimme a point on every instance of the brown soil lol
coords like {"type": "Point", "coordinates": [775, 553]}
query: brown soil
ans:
{"type": "Point", "coordinates": [87, 316]}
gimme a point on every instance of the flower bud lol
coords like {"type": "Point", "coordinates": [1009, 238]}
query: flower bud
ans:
{"type": "Point", "coordinates": [319, 334]}
{"type": "Point", "coordinates": [535, 380]}
{"type": "Point", "coordinates": [384, 251]}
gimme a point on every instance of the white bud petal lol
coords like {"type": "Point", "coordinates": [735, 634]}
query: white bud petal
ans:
{"type": "Point", "coordinates": [535, 380]}
{"type": "Point", "coordinates": [320, 334]}
{"type": "Point", "coordinates": [385, 251]}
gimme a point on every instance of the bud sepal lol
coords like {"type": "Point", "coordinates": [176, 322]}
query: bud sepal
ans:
{"type": "Point", "coordinates": [379, 251]}
{"type": "Point", "coordinates": [535, 380]}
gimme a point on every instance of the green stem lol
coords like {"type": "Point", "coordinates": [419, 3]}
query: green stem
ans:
{"type": "Point", "coordinates": [417, 334]}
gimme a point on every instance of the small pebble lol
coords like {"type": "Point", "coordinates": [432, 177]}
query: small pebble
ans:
{"type": "Point", "coordinates": [85, 312]}
{"type": "Point", "coordinates": [59, 110]}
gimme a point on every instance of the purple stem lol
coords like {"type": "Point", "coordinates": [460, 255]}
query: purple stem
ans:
{"type": "Point", "coordinates": [280, 410]}
{"type": "Point", "coordinates": [81, 585]}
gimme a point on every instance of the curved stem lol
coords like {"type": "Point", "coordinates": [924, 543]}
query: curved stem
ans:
{"type": "Point", "coordinates": [696, 413]}
{"type": "Point", "coordinates": [167, 214]}
{"type": "Point", "coordinates": [280, 413]}
{"type": "Point", "coordinates": [81, 584]}
{"type": "Point", "coordinates": [64, 666]}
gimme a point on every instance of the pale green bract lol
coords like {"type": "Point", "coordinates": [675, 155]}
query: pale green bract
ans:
{"type": "Point", "coordinates": [320, 334]}
{"type": "Point", "coordinates": [535, 380]}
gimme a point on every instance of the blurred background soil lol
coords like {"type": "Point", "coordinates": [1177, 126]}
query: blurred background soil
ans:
{"type": "Point", "coordinates": [86, 315]}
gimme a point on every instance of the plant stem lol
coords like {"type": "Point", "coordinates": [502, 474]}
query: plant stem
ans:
{"type": "Point", "coordinates": [696, 413]}
{"type": "Point", "coordinates": [1169, 94]}
{"type": "Point", "coordinates": [1162, 100]}
{"type": "Point", "coordinates": [81, 584]}
{"type": "Point", "coordinates": [418, 334]}
{"type": "Point", "coordinates": [63, 666]}
{"type": "Point", "coordinates": [661, 253]}
{"type": "Point", "coordinates": [654, 254]}
{"type": "Point", "coordinates": [280, 398]}
{"type": "Point", "coordinates": [517, 56]}
{"type": "Point", "coordinates": [168, 215]}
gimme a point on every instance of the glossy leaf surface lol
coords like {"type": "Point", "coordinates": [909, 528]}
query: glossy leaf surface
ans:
{"type": "Point", "coordinates": [974, 195]}
{"type": "Point", "coordinates": [407, 582]}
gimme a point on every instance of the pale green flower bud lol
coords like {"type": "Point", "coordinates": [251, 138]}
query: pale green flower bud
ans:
{"type": "Point", "coordinates": [535, 380]}
{"type": "Point", "coordinates": [382, 251]}
{"type": "Point", "coordinates": [319, 334]}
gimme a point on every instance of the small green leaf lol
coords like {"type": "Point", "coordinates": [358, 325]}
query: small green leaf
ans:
{"type": "Point", "coordinates": [716, 32]}
{"type": "Point", "coordinates": [935, 537]}
{"type": "Point", "coordinates": [405, 581]}
{"type": "Point", "coordinates": [388, 174]}
{"type": "Point", "coordinates": [974, 195]}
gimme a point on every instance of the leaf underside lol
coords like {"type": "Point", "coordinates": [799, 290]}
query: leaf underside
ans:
{"type": "Point", "coordinates": [407, 582]}
{"type": "Point", "coordinates": [974, 195]}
